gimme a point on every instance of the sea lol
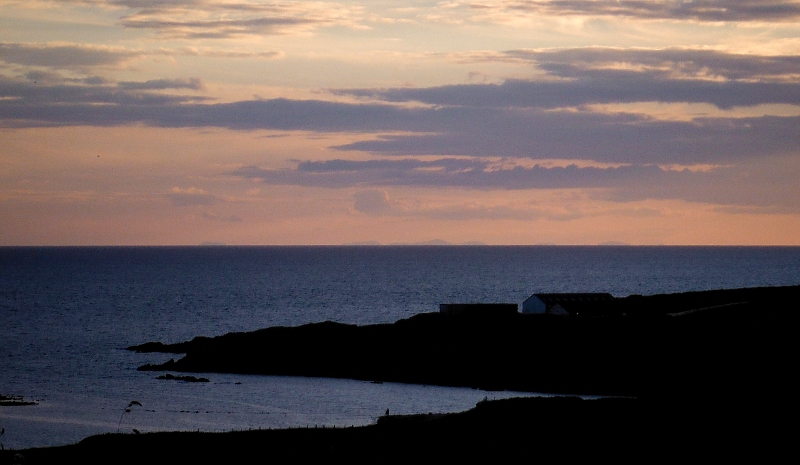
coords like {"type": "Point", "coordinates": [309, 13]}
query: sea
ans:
{"type": "Point", "coordinates": [68, 313]}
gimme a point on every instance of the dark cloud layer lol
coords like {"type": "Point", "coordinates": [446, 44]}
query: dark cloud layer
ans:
{"type": "Point", "coordinates": [217, 29]}
{"type": "Point", "coordinates": [452, 172]}
{"type": "Point", "coordinates": [223, 20]}
{"type": "Point", "coordinates": [694, 10]}
{"type": "Point", "coordinates": [611, 86]}
{"type": "Point", "coordinates": [605, 75]}
{"type": "Point", "coordinates": [54, 100]}
{"type": "Point", "coordinates": [609, 138]}
{"type": "Point", "coordinates": [162, 84]}
{"type": "Point", "coordinates": [698, 10]}
{"type": "Point", "coordinates": [519, 118]}
{"type": "Point", "coordinates": [451, 130]}
{"type": "Point", "coordinates": [690, 63]}
{"type": "Point", "coordinates": [731, 186]}
{"type": "Point", "coordinates": [63, 56]}
{"type": "Point", "coordinates": [62, 102]}
{"type": "Point", "coordinates": [83, 58]}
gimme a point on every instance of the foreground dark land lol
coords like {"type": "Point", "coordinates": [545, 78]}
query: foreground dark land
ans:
{"type": "Point", "coordinates": [531, 429]}
{"type": "Point", "coordinates": [708, 375]}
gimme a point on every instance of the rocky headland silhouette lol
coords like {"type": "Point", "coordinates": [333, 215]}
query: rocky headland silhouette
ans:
{"type": "Point", "coordinates": [709, 343]}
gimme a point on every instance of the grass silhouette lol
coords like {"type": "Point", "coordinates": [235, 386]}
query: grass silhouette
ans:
{"type": "Point", "coordinates": [127, 410]}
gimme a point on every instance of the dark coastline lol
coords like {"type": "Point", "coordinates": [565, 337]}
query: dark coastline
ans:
{"type": "Point", "coordinates": [697, 343]}
{"type": "Point", "coordinates": [705, 375]}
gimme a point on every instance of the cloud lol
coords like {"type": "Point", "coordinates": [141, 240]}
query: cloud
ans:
{"type": "Point", "coordinates": [472, 173]}
{"type": "Point", "coordinates": [48, 97]}
{"type": "Point", "coordinates": [695, 10]}
{"type": "Point", "coordinates": [493, 130]}
{"type": "Point", "coordinates": [161, 84]}
{"type": "Point", "coordinates": [220, 20]}
{"type": "Point", "coordinates": [615, 138]}
{"type": "Point", "coordinates": [584, 76]}
{"type": "Point", "coordinates": [65, 56]}
{"type": "Point", "coordinates": [203, 14]}
{"type": "Point", "coordinates": [608, 86]}
{"type": "Point", "coordinates": [373, 202]}
{"type": "Point", "coordinates": [86, 59]}
{"type": "Point", "coordinates": [214, 53]}
{"type": "Point", "coordinates": [748, 187]}
{"type": "Point", "coordinates": [452, 172]}
{"type": "Point", "coordinates": [190, 197]}
{"type": "Point", "coordinates": [673, 63]}
{"type": "Point", "coordinates": [41, 78]}
{"type": "Point", "coordinates": [21, 100]}
{"type": "Point", "coordinates": [520, 212]}
{"type": "Point", "coordinates": [758, 187]}
{"type": "Point", "coordinates": [552, 118]}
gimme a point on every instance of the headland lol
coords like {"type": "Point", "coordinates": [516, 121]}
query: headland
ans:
{"type": "Point", "coordinates": [697, 343]}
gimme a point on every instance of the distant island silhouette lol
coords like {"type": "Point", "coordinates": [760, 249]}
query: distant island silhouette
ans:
{"type": "Point", "coordinates": [432, 242]}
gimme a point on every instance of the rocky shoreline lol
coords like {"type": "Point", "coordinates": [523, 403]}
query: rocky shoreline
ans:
{"type": "Point", "coordinates": [185, 379]}
{"type": "Point", "coordinates": [15, 401]}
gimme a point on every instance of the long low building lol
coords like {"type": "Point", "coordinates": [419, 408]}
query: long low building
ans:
{"type": "Point", "coordinates": [574, 303]}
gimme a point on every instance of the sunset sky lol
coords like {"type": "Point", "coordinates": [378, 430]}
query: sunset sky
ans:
{"type": "Point", "coordinates": [126, 122]}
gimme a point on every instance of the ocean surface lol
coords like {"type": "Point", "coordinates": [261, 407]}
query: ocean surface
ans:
{"type": "Point", "coordinates": [67, 314]}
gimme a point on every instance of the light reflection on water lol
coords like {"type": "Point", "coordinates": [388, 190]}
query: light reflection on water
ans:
{"type": "Point", "coordinates": [224, 405]}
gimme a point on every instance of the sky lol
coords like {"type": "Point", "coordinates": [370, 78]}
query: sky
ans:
{"type": "Point", "coordinates": [180, 122]}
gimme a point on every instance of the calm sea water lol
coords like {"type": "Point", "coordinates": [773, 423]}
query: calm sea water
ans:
{"type": "Point", "coordinates": [66, 315]}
